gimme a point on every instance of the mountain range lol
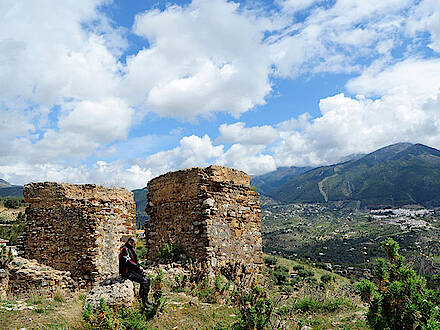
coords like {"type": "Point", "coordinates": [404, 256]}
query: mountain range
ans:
{"type": "Point", "coordinates": [9, 190]}
{"type": "Point", "coordinates": [268, 182]}
{"type": "Point", "coordinates": [396, 175]}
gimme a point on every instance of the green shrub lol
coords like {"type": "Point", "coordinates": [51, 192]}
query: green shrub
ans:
{"type": "Point", "coordinates": [401, 300]}
{"type": "Point", "coordinates": [102, 318]}
{"type": "Point", "coordinates": [270, 261]}
{"type": "Point", "coordinates": [255, 308]}
{"type": "Point", "coordinates": [170, 252]}
{"type": "Point", "coordinates": [159, 301]}
{"type": "Point", "coordinates": [335, 304]}
{"type": "Point", "coordinates": [280, 275]}
{"type": "Point", "coordinates": [327, 278]}
{"type": "Point", "coordinates": [13, 203]}
{"type": "Point", "coordinates": [181, 281]}
{"type": "Point", "coordinates": [305, 273]}
{"type": "Point", "coordinates": [297, 267]}
{"type": "Point", "coordinates": [14, 230]}
{"type": "Point", "coordinates": [313, 304]}
{"type": "Point", "coordinates": [141, 252]}
{"type": "Point", "coordinates": [366, 290]}
{"type": "Point", "coordinates": [133, 319]}
{"type": "Point", "coordinates": [306, 305]}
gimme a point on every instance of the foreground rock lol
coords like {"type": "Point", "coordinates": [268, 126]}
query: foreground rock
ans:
{"type": "Point", "coordinates": [116, 293]}
{"type": "Point", "coordinates": [29, 276]}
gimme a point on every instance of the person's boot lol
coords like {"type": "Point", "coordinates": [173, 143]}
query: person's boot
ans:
{"type": "Point", "coordinates": [144, 295]}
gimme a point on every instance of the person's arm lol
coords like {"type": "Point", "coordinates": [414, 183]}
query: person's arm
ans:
{"type": "Point", "coordinates": [130, 262]}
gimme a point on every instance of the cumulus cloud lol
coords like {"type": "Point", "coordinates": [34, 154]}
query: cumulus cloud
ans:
{"type": "Point", "coordinates": [250, 159]}
{"type": "Point", "coordinates": [238, 133]}
{"type": "Point", "coordinates": [103, 173]}
{"type": "Point", "coordinates": [419, 78]}
{"type": "Point", "coordinates": [66, 93]}
{"type": "Point", "coordinates": [60, 64]}
{"type": "Point", "coordinates": [201, 151]}
{"type": "Point", "coordinates": [203, 57]}
{"type": "Point", "coordinates": [102, 121]}
{"type": "Point", "coordinates": [353, 125]}
{"type": "Point", "coordinates": [47, 63]}
{"type": "Point", "coordinates": [192, 151]}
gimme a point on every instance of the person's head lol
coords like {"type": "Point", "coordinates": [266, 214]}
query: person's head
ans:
{"type": "Point", "coordinates": [132, 242]}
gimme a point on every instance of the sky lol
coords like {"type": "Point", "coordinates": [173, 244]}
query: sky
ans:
{"type": "Point", "coordinates": [119, 92]}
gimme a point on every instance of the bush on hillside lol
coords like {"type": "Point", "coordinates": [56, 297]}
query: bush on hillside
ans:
{"type": "Point", "coordinates": [255, 308]}
{"type": "Point", "coordinates": [399, 299]}
{"type": "Point", "coordinates": [327, 278]}
{"type": "Point", "coordinates": [270, 261]}
{"type": "Point", "coordinates": [280, 275]}
{"type": "Point", "coordinates": [305, 273]}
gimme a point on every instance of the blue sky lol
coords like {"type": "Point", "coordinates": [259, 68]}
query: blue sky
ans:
{"type": "Point", "coordinates": [118, 92]}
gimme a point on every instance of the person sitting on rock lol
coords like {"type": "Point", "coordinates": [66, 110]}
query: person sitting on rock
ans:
{"type": "Point", "coordinates": [129, 268]}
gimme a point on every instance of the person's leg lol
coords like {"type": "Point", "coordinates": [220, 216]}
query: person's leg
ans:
{"type": "Point", "coordinates": [144, 281]}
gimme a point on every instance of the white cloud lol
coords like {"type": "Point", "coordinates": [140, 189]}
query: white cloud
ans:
{"type": "Point", "coordinates": [292, 6]}
{"type": "Point", "coordinates": [65, 94]}
{"type": "Point", "coordinates": [248, 158]}
{"type": "Point", "coordinates": [103, 173]}
{"type": "Point", "coordinates": [418, 78]}
{"type": "Point", "coordinates": [48, 56]}
{"type": "Point", "coordinates": [426, 18]}
{"type": "Point", "coordinates": [103, 121]}
{"type": "Point", "coordinates": [192, 151]}
{"type": "Point", "coordinates": [49, 60]}
{"type": "Point", "coordinates": [353, 125]}
{"type": "Point", "coordinates": [200, 151]}
{"type": "Point", "coordinates": [238, 133]}
{"type": "Point", "coordinates": [204, 57]}
{"type": "Point", "coordinates": [334, 39]}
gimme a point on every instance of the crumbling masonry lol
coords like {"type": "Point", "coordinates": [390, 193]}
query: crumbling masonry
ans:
{"type": "Point", "coordinates": [211, 212]}
{"type": "Point", "coordinates": [78, 228]}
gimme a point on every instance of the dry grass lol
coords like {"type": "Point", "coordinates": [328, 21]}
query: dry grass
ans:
{"type": "Point", "coordinates": [46, 314]}
{"type": "Point", "coordinates": [10, 214]}
{"type": "Point", "coordinates": [183, 311]}
{"type": "Point", "coordinates": [72, 312]}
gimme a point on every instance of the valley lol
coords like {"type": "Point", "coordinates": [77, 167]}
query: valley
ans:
{"type": "Point", "coordinates": [347, 240]}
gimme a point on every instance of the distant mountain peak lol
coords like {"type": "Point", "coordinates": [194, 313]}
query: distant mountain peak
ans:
{"type": "Point", "coordinates": [351, 157]}
{"type": "Point", "coordinates": [4, 184]}
{"type": "Point", "coordinates": [395, 175]}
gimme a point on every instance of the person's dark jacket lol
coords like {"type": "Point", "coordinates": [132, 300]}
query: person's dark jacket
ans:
{"type": "Point", "coordinates": [128, 261]}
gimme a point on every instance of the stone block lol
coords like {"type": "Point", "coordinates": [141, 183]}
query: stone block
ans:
{"type": "Point", "coordinates": [116, 292]}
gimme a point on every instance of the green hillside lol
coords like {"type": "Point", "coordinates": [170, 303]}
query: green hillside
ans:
{"type": "Point", "coordinates": [396, 175]}
{"type": "Point", "coordinates": [271, 181]}
{"type": "Point", "coordinates": [140, 198]}
{"type": "Point", "coordinates": [9, 190]}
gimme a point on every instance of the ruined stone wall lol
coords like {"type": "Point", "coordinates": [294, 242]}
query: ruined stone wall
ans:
{"type": "Point", "coordinates": [27, 277]}
{"type": "Point", "coordinates": [211, 212]}
{"type": "Point", "coordinates": [78, 228]}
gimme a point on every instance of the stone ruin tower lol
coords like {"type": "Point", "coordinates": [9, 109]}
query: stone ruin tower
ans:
{"type": "Point", "coordinates": [78, 228]}
{"type": "Point", "coordinates": [211, 212]}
